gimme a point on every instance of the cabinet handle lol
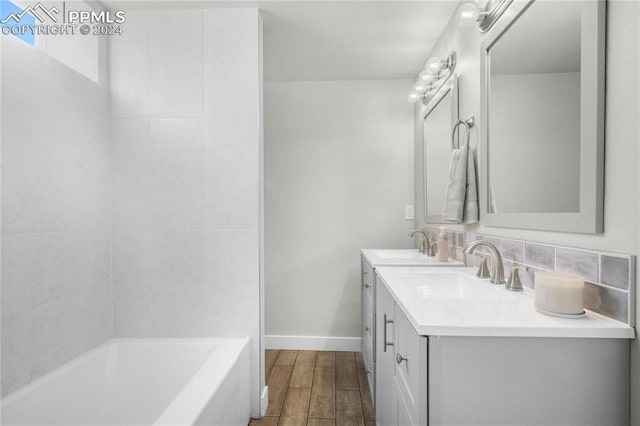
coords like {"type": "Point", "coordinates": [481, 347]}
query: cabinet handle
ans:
{"type": "Point", "coordinates": [362, 280]}
{"type": "Point", "coordinates": [400, 358]}
{"type": "Point", "coordinates": [367, 329]}
{"type": "Point", "coordinates": [384, 338]}
{"type": "Point", "coordinates": [368, 372]}
{"type": "Point", "coordinates": [365, 286]}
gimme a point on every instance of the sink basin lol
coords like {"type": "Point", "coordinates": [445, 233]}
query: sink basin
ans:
{"type": "Point", "coordinates": [396, 254]}
{"type": "Point", "coordinates": [403, 257]}
{"type": "Point", "coordinates": [452, 285]}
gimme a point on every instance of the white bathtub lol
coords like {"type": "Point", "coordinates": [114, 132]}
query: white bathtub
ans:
{"type": "Point", "coordinates": [141, 382]}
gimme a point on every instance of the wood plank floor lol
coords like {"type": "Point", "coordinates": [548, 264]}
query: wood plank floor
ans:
{"type": "Point", "coordinates": [309, 388]}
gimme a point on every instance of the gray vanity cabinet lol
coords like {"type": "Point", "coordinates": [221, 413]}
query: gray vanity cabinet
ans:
{"type": "Point", "coordinates": [487, 380]}
{"type": "Point", "coordinates": [370, 261]}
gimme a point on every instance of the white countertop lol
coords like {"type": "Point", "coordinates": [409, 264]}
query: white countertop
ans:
{"type": "Point", "coordinates": [403, 257]}
{"type": "Point", "coordinates": [454, 302]}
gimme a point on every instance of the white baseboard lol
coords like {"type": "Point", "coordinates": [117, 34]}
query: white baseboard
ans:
{"type": "Point", "coordinates": [313, 343]}
{"type": "Point", "coordinates": [264, 401]}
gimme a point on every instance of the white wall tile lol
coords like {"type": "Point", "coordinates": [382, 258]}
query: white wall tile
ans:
{"type": "Point", "coordinates": [17, 352]}
{"type": "Point", "coordinates": [131, 258]}
{"type": "Point", "coordinates": [232, 258]}
{"type": "Point", "coordinates": [56, 334]}
{"type": "Point", "coordinates": [48, 197]}
{"type": "Point", "coordinates": [131, 201]}
{"type": "Point", "coordinates": [231, 89]}
{"type": "Point", "coordinates": [175, 36]}
{"type": "Point", "coordinates": [176, 200]}
{"type": "Point", "coordinates": [132, 315]}
{"type": "Point", "coordinates": [177, 257]}
{"type": "Point", "coordinates": [129, 68]}
{"type": "Point", "coordinates": [231, 35]}
{"type": "Point", "coordinates": [56, 208]}
{"type": "Point", "coordinates": [237, 311]}
{"type": "Point", "coordinates": [130, 148]}
{"type": "Point", "coordinates": [176, 89]}
{"type": "Point", "coordinates": [177, 145]}
{"type": "Point", "coordinates": [232, 201]}
{"type": "Point", "coordinates": [20, 273]}
{"type": "Point", "coordinates": [129, 86]}
{"type": "Point", "coordinates": [184, 311]}
{"type": "Point", "coordinates": [232, 145]}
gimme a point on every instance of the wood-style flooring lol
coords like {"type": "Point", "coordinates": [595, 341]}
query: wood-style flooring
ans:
{"type": "Point", "coordinates": [309, 388]}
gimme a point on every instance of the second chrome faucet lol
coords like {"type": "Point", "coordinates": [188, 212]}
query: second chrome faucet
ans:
{"type": "Point", "coordinates": [497, 268]}
{"type": "Point", "coordinates": [427, 246]}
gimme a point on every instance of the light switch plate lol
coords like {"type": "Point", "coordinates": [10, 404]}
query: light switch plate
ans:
{"type": "Point", "coordinates": [408, 212]}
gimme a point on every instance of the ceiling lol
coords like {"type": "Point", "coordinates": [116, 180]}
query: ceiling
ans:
{"type": "Point", "coordinates": [336, 40]}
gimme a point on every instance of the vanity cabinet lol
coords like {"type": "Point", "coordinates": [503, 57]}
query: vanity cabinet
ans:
{"type": "Point", "coordinates": [369, 261]}
{"type": "Point", "coordinates": [465, 380]}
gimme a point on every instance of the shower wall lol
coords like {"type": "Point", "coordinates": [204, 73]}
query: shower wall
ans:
{"type": "Point", "coordinates": [56, 221]}
{"type": "Point", "coordinates": [186, 147]}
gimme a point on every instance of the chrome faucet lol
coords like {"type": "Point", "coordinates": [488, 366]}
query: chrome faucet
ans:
{"type": "Point", "coordinates": [425, 244]}
{"type": "Point", "coordinates": [497, 269]}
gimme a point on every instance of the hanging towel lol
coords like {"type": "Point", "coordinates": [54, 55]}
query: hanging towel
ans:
{"type": "Point", "coordinates": [461, 199]}
{"type": "Point", "coordinates": [471, 192]}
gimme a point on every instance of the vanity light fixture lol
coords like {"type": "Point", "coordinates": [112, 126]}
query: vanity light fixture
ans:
{"type": "Point", "coordinates": [430, 79]}
{"type": "Point", "coordinates": [470, 14]}
{"type": "Point", "coordinates": [434, 65]}
{"type": "Point", "coordinates": [426, 76]}
{"type": "Point", "coordinates": [420, 86]}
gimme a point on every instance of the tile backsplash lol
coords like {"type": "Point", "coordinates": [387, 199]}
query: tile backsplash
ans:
{"type": "Point", "coordinates": [609, 277]}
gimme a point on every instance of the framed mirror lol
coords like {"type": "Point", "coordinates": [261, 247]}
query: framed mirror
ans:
{"type": "Point", "coordinates": [542, 129]}
{"type": "Point", "coordinates": [438, 118]}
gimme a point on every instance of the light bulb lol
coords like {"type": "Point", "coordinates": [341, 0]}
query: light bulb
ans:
{"type": "Point", "coordinates": [414, 96]}
{"type": "Point", "coordinates": [425, 76]}
{"type": "Point", "coordinates": [467, 15]}
{"type": "Point", "coordinates": [434, 65]}
{"type": "Point", "coordinates": [419, 86]}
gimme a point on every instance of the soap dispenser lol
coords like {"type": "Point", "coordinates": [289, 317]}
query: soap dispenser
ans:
{"type": "Point", "coordinates": [443, 245]}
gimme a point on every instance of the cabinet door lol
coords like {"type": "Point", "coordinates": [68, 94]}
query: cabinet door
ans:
{"type": "Point", "coordinates": [403, 415]}
{"type": "Point", "coordinates": [386, 393]}
{"type": "Point", "coordinates": [411, 364]}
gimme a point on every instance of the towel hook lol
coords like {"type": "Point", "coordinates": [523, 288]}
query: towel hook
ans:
{"type": "Point", "coordinates": [468, 124]}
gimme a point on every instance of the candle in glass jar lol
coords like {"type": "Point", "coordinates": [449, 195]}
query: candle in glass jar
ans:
{"type": "Point", "coordinates": [559, 293]}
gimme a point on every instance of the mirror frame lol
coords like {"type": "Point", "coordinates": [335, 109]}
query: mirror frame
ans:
{"type": "Point", "coordinates": [450, 86]}
{"type": "Point", "coordinates": [592, 104]}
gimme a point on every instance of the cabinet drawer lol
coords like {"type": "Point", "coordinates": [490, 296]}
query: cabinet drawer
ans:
{"type": "Point", "coordinates": [411, 367]}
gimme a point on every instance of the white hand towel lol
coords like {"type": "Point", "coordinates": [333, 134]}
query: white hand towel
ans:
{"type": "Point", "coordinates": [471, 192]}
{"type": "Point", "coordinates": [461, 199]}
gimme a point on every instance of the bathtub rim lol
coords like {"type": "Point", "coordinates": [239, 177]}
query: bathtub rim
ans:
{"type": "Point", "coordinates": [191, 401]}
{"type": "Point", "coordinates": [237, 345]}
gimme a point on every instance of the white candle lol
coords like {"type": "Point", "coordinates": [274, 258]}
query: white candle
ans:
{"type": "Point", "coordinates": [559, 293]}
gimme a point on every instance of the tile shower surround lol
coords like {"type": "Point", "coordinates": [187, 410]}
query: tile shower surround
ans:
{"type": "Point", "coordinates": [609, 277]}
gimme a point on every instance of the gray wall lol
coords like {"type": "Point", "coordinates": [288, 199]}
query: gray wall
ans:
{"type": "Point", "coordinates": [338, 173]}
{"type": "Point", "coordinates": [621, 143]}
{"type": "Point", "coordinates": [56, 222]}
{"type": "Point", "coordinates": [186, 177]}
